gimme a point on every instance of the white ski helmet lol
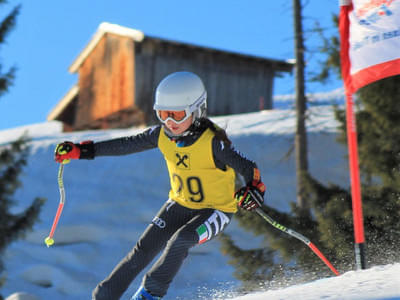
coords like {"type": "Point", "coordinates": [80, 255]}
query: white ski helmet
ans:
{"type": "Point", "coordinates": [181, 91]}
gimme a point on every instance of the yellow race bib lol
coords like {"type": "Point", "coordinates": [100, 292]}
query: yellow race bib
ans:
{"type": "Point", "coordinates": [195, 180]}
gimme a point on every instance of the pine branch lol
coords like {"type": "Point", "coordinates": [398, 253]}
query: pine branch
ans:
{"type": "Point", "coordinates": [8, 23]}
{"type": "Point", "coordinates": [21, 223]}
{"type": "Point", "coordinates": [7, 80]}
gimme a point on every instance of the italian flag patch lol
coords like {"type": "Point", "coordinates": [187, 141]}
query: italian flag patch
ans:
{"type": "Point", "coordinates": [203, 233]}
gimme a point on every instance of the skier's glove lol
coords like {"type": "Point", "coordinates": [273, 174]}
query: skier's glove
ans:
{"type": "Point", "coordinates": [251, 196]}
{"type": "Point", "coordinates": [66, 151]}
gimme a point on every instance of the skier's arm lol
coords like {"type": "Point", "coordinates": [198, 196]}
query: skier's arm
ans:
{"type": "Point", "coordinates": [251, 195]}
{"type": "Point", "coordinates": [119, 146]}
{"type": "Point", "coordinates": [227, 155]}
{"type": "Point", "coordinates": [127, 145]}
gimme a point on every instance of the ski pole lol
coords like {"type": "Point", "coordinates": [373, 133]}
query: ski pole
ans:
{"type": "Point", "coordinates": [299, 237]}
{"type": "Point", "coordinates": [49, 240]}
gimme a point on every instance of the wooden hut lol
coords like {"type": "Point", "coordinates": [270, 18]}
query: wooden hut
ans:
{"type": "Point", "coordinates": [120, 68]}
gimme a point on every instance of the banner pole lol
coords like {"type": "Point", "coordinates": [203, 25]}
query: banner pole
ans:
{"type": "Point", "coordinates": [355, 183]}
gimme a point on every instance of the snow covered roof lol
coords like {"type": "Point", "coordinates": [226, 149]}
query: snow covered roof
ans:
{"type": "Point", "coordinates": [63, 103]}
{"type": "Point", "coordinates": [138, 36]}
{"type": "Point", "coordinates": [104, 28]}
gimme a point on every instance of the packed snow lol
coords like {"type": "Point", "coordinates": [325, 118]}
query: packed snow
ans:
{"type": "Point", "coordinates": [111, 200]}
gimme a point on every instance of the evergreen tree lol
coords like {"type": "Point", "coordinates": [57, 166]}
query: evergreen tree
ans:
{"type": "Point", "coordinates": [6, 25]}
{"type": "Point", "coordinates": [13, 226]}
{"type": "Point", "coordinates": [12, 160]}
{"type": "Point", "coordinates": [330, 222]}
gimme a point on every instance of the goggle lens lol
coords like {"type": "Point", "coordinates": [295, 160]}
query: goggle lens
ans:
{"type": "Point", "coordinates": [175, 115]}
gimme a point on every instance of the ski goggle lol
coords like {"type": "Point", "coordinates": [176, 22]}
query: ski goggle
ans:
{"type": "Point", "coordinates": [181, 113]}
{"type": "Point", "coordinates": [178, 116]}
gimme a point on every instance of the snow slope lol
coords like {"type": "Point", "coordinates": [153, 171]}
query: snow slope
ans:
{"type": "Point", "coordinates": [379, 282]}
{"type": "Point", "coordinates": [111, 200]}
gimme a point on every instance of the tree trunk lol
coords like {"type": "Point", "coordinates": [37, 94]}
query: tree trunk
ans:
{"type": "Point", "coordinates": [301, 134]}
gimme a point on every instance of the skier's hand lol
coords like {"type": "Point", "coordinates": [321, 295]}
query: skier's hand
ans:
{"type": "Point", "coordinates": [66, 151]}
{"type": "Point", "coordinates": [251, 196]}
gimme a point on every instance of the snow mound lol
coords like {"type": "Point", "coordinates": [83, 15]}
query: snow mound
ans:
{"type": "Point", "coordinates": [50, 277]}
{"type": "Point", "coordinates": [70, 234]}
{"type": "Point", "coordinates": [379, 282]}
{"type": "Point", "coordinates": [21, 296]}
{"type": "Point", "coordinates": [34, 130]}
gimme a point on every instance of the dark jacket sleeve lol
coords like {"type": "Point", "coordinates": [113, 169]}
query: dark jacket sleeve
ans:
{"type": "Point", "coordinates": [225, 155]}
{"type": "Point", "coordinates": [130, 144]}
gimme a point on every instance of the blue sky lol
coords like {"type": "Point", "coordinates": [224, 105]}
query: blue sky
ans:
{"type": "Point", "coordinates": [50, 34]}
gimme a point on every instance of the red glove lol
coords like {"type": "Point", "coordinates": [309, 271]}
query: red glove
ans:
{"type": "Point", "coordinates": [251, 196]}
{"type": "Point", "coordinates": [66, 151]}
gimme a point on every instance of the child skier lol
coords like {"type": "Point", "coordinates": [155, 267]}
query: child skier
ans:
{"type": "Point", "coordinates": [201, 163]}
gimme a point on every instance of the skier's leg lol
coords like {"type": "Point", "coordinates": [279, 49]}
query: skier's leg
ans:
{"type": "Point", "coordinates": [206, 224]}
{"type": "Point", "coordinates": [149, 245]}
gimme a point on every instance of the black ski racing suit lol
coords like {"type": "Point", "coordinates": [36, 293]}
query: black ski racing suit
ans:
{"type": "Point", "coordinates": [173, 228]}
